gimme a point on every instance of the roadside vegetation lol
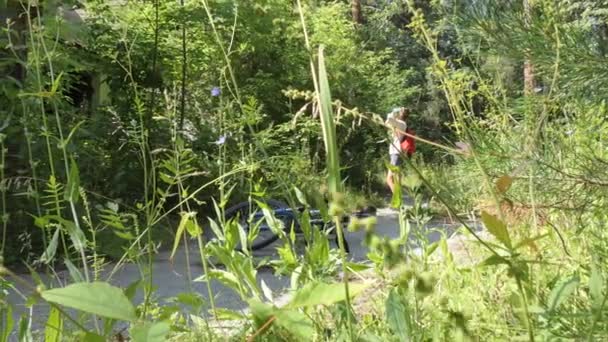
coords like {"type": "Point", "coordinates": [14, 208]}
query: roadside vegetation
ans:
{"type": "Point", "coordinates": [130, 128]}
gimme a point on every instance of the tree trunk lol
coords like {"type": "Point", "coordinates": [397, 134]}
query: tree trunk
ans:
{"type": "Point", "coordinates": [356, 11]}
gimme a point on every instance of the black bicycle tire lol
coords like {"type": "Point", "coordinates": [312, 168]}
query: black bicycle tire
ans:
{"type": "Point", "coordinates": [273, 204]}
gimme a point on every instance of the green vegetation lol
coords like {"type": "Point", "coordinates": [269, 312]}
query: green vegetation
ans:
{"type": "Point", "coordinates": [128, 128]}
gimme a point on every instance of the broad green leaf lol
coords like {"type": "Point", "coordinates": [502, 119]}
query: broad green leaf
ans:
{"type": "Point", "coordinates": [313, 294]}
{"type": "Point", "coordinates": [397, 316]}
{"type": "Point", "coordinates": [6, 323]}
{"type": "Point", "coordinates": [51, 249]}
{"type": "Point", "coordinates": [296, 323]}
{"type": "Point", "coordinates": [191, 299]}
{"type": "Point", "coordinates": [54, 326]}
{"type": "Point", "coordinates": [98, 298]}
{"type": "Point", "coordinates": [261, 312]}
{"type": "Point", "coordinates": [496, 227]}
{"type": "Point", "coordinates": [596, 283]}
{"type": "Point", "coordinates": [328, 127]}
{"type": "Point", "coordinates": [292, 321]}
{"type": "Point", "coordinates": [561, 292]}
{"type": "Point", "coordinates": [503, 183]}
{"type": "Point", "coordinates": [72, 193]}
{"type": "Point", "coordinates": [150, 332]}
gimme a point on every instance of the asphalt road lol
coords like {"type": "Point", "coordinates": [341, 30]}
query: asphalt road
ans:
{"type": "Point", "coordinates": [171, 278]}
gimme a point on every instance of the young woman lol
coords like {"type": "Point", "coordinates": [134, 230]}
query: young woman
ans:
{"type": "Point", "coordinates": [397, 121]}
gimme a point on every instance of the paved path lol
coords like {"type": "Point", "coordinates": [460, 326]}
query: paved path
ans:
{"type": "Point", "coordinates": [171, 278]}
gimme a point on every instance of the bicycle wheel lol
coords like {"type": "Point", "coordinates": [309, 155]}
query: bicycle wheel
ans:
{"type": "Point", "coordinates": [249, 215]}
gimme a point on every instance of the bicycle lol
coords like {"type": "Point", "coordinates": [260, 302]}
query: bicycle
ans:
{"type": "Point", "coordinates": [249, 215]}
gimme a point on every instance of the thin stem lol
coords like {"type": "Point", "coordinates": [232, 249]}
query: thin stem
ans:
{"type": "Point", "coordinates": [524, 297]}
{"type": "Point", "coordinates": [45, 126]}
{"type": "Point", "coordinates": [3, 185]}
{"type": "Point", "coordinates": [184, 69]}
{"type": "Point", "coordinates": [201, 247]}
{"type": "Point", "coordinates": [64, 152]}
{"type": "Point", "coordinates": [345, 277]}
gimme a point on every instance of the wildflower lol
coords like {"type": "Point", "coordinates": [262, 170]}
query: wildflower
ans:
{"type": "Point", "coordinates": [221, 140]}
{"type": "Point", "coordinates": [216, 91]}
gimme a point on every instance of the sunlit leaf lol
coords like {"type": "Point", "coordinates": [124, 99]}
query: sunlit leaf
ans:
{"type": "Point", "coordinates": [397, 316]}
{"type": "Point", "coordinates": [56, 83]}
{"type": "Point", "coordinates": [562, 291]}
{"type": "Point", "coordinates": [300, 196]}
{"type": "Point", "coordinates": [180, 231]}
{"type": "Point", "coordinates": [54, 326]}
{"type": "Point", "coordinates": [292, 321]}
{"type": "Point", "coordinates": [496, 227]}
{"type": "Point", "coordinates": [150, 332]}
{"type": "Point", "coordinates": [216, 229]}
{"type": "Point", "coordinates": [397, 197]}
{"type": "Point", "coordinates": [596, 284]}
{"type": "Point", "coordinates": [266, 291]}
{"type": "Point", "coordinates": [72, 190]}
{"type": "Point", "coordinates": [193, 228]}
{"type": "Point", "coordinates": [98, 298]}
{"type": "Point", "coordinates": [6, 323]}
{"type": "Point", "coordinates": [313, 294]}
{"type": "Point", "coordinates": [51, 249]}
{"type": "Point", "coordinates": [328, 127]}
{"type": "Point", "coordinates": [25, 332]}
{"type": "Point", "coordinates": [296, 323]}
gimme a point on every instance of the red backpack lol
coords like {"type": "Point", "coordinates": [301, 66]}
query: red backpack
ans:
{"type": "Point", "coordinates": [408, 145]}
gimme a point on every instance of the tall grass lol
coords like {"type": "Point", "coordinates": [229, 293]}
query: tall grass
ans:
{"type": "Point", "coordinates": [517, 281]}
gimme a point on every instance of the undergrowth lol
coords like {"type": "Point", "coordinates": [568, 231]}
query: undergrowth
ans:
{"type": "Point", "coordinates": [526, 188]}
